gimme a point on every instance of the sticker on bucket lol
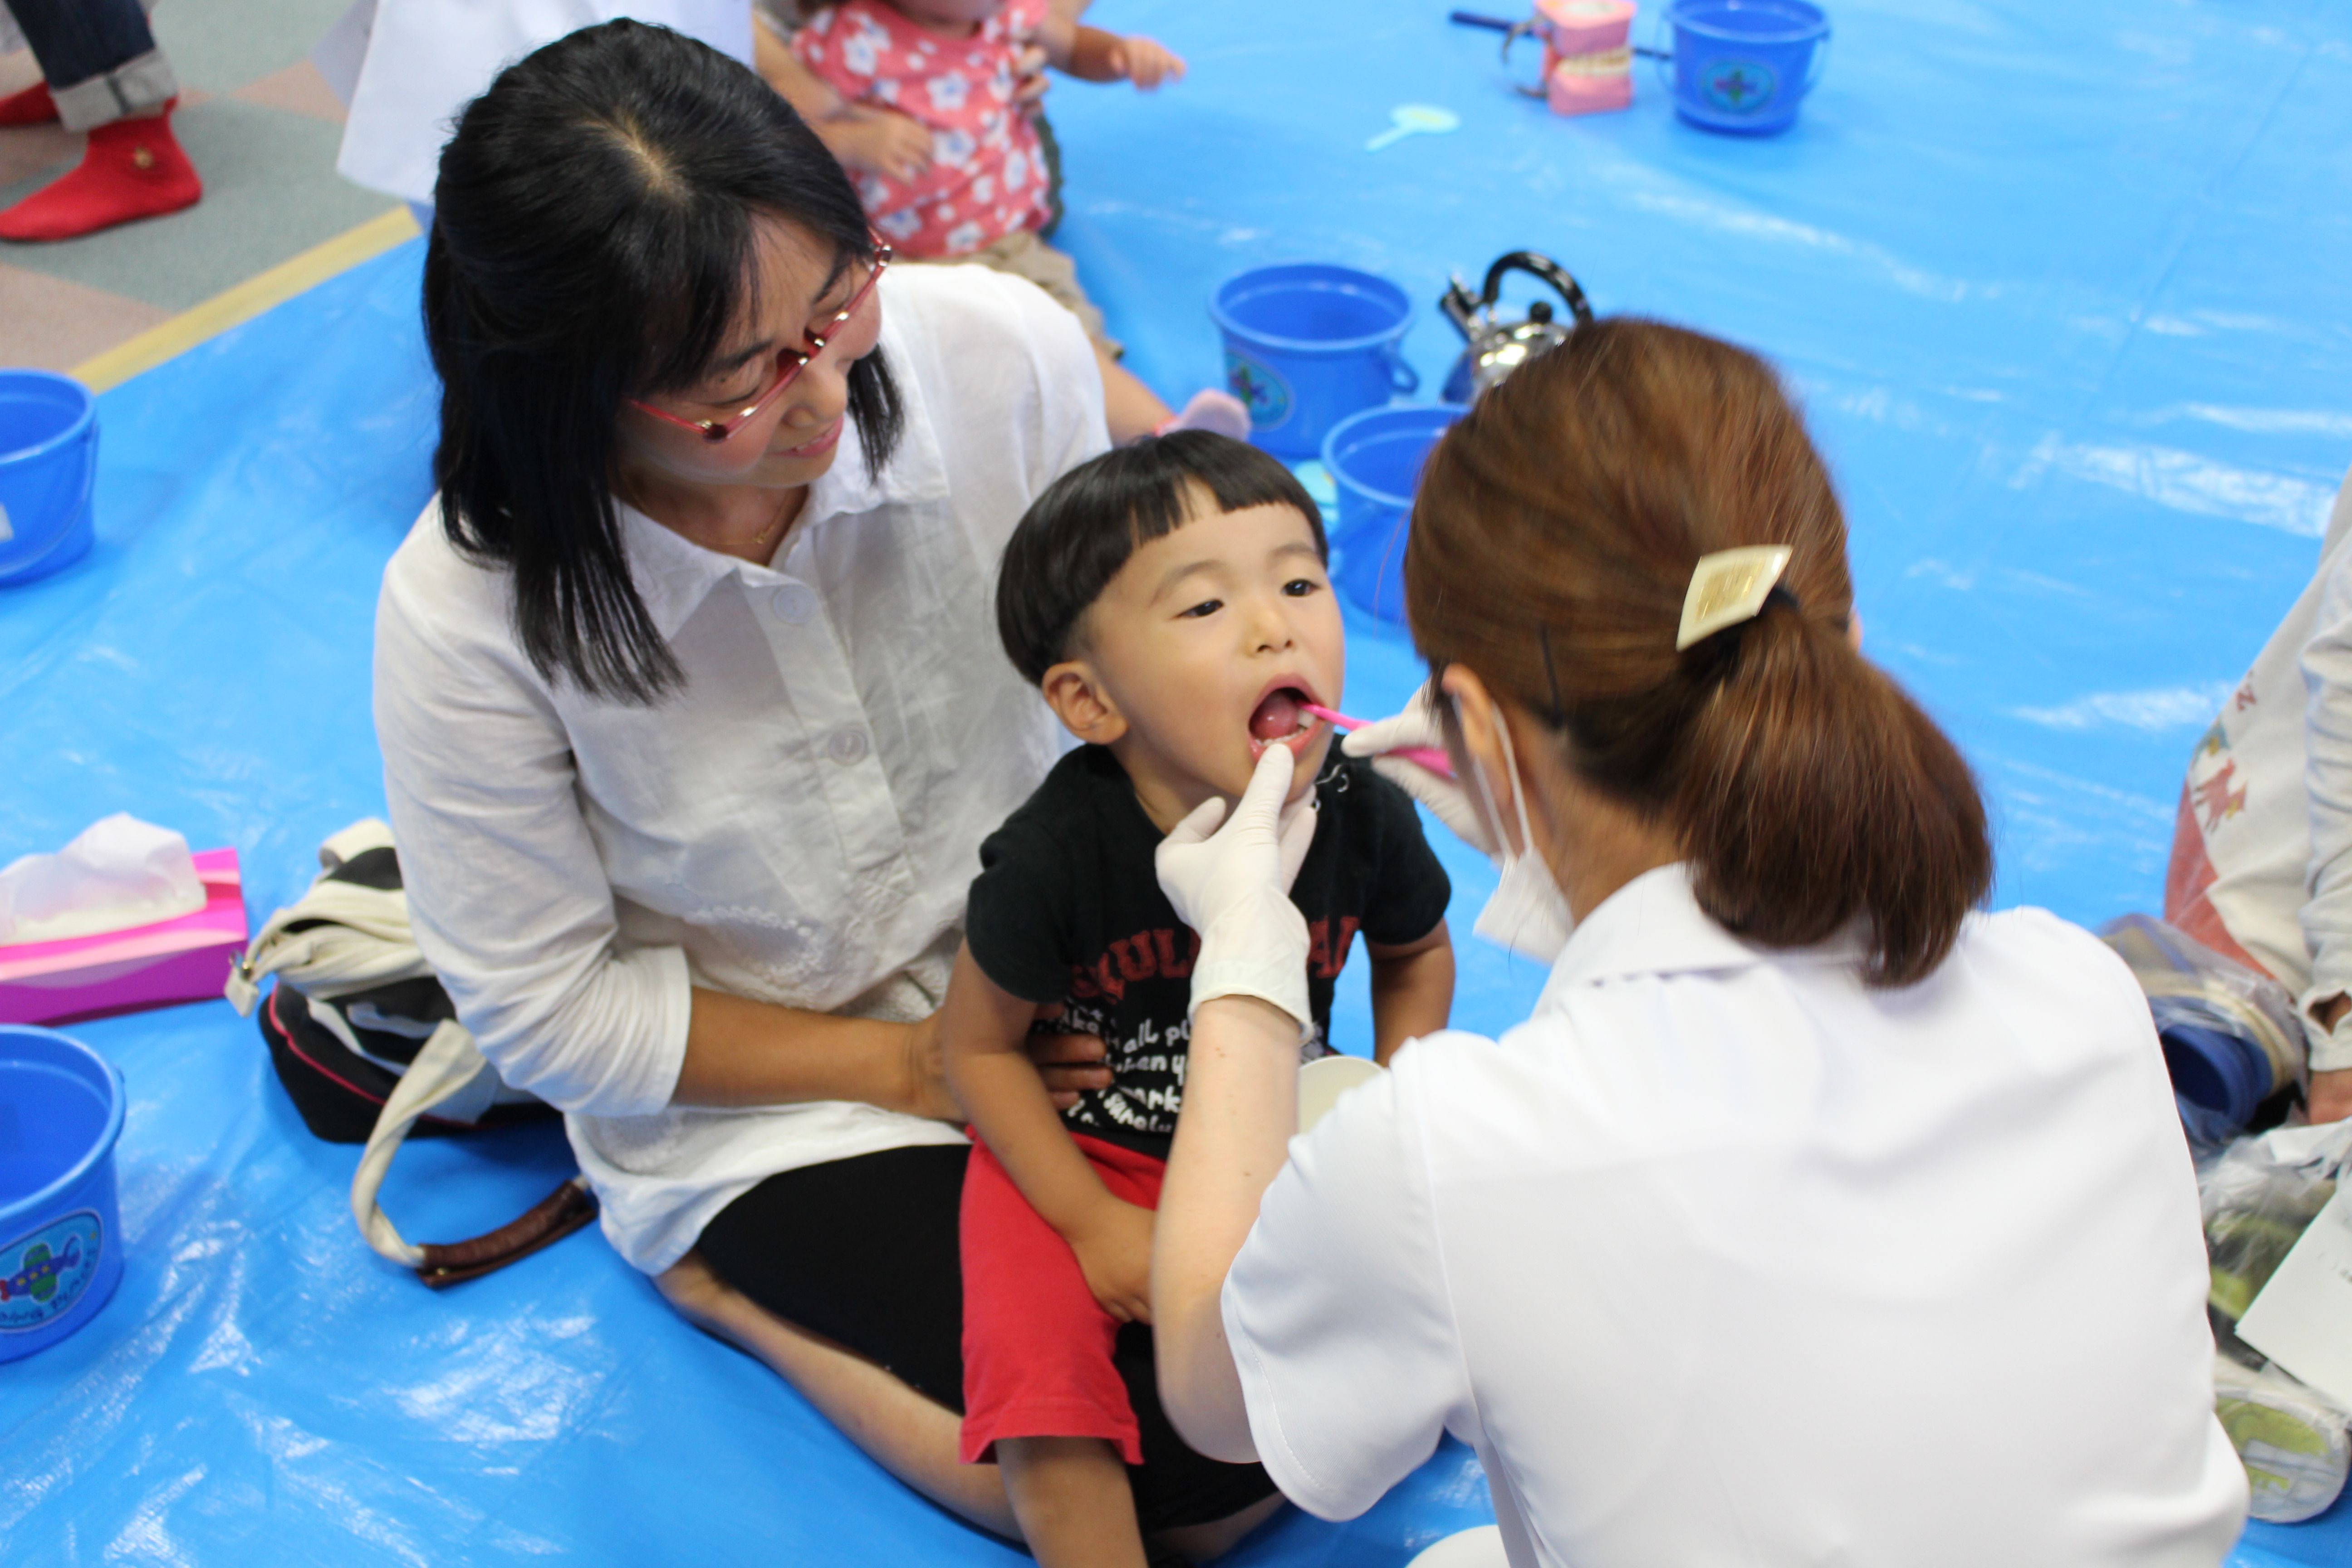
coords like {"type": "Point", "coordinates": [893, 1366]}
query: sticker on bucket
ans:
{"type": "Point", "coordinates": [1263, 389]}
{"type": "Point", "coordinates": [6, 532]}
{"type": "Point", "coordinates": [1739, 87]}
{"type": "Point", "coordinates": [44, 1273]}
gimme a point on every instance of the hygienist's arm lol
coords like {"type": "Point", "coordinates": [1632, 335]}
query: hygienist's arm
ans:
{"type": "Point", "coordinates": [1241, 1105]}
{"type": "Point", "coordinates": [1229, 877]}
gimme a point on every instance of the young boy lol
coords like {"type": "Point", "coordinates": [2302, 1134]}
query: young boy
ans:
{"type": "Point", "coordinates": [1169, 600]}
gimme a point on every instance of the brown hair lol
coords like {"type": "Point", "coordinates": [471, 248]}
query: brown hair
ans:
{"type": "Point", "coordinates": [1552, 545]}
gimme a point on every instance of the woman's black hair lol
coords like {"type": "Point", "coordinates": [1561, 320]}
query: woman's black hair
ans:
{"type": "Point", "coordinates": [1084, 527]}
{"type": "Point", "coordinates": [594, 241]}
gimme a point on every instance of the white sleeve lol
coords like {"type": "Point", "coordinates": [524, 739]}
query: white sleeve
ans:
{"type": "Point", "coordinates": [2327, 780]}
{"type": "Point", "coordinates": [506, 894]}
{"type": "Point", "coordinates": [1069, 381]}
{"type": "Point", "coordinates": [1011, 385]}
{"type": "Point", "coordinates": [1336, 1309]}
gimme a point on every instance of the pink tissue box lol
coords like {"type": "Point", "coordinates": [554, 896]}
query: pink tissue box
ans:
{"type": "Point", "coordinates": [183, 959]}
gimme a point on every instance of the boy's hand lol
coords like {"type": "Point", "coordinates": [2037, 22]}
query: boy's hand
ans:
{"type": "Point", "coordinates": [1145, 63]}
{"type": "Point", "coordinates": [878, 142]}
{"type": "Point", "coordinates": [1114, 1252]}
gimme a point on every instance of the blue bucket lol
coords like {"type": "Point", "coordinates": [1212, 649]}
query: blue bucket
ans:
{"type": "Point", "coordinates": [1306, 345]}
{"type": "Point", "coordinates": [49, 457]}
{"type": "Point", "coordinates": [1745, 66]}
{"type": "Point", "coordinates": [1374, 460]}
{"type": "Point", "coordinates": [60, 1237]}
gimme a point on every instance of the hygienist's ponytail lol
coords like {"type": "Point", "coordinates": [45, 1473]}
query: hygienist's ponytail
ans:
{"type": "Point", "coordinates": [1553, 544]}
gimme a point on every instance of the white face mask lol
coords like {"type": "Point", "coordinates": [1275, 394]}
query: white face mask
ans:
{"type": "Point", "coordinates": [1527, 914]}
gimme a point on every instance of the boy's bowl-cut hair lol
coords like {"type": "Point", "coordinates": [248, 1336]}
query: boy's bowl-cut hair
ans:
{"type": "Point", "coordinates": [1077, 536]}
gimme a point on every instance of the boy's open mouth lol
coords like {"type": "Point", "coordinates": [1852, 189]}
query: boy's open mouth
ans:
{"type": "Point", "coordinates": [1279, 719]}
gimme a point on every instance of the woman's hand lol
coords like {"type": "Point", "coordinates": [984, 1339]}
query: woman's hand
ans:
{"type": "Point", "coordinates": [1070, 1065]}
{"type": "Point", "coordinates": [2331, 1096]}
{"type": "Point", "coordinates": [1232, 884]}
{"type": "Point", "coordinates": [1448, 799]}
{"type": "Point", "coordinates": [1114, 1252]}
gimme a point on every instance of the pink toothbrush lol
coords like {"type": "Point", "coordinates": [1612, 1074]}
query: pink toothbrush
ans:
{"type": "Point", "coordinates": [1429, 757]}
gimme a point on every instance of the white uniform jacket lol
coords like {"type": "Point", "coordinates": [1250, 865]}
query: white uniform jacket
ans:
{"type": "Point", "coordinates": [1723, 1258]}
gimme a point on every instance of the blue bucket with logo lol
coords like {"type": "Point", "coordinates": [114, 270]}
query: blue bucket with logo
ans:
{"type": "Point", "coordinates": [49, 459]}
{"type": "Point", "coordinates": [1374, 460]}
{"type": "Point", "coordinates": [60, 1237]}
{"type": "Point", "coordinates": [1307, 344]}
{"type": "Point", "coordinates": [1744, 67]}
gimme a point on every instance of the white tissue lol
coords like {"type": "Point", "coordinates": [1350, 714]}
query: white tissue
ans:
{"type": "Point", "coordinates": [120, 872]}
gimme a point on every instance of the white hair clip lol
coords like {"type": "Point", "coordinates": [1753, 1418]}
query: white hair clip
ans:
{"type": "Point", "coordinates": [1727, 587]}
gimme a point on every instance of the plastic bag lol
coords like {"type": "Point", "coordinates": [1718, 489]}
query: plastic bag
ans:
{"type": "Point", "coordinates": [2233, 1041]}
{"type": "Point", "coordinates": [2259, 1194]}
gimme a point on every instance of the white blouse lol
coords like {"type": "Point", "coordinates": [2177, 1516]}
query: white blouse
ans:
{"type": "Point", "coordinates": [798, 826]}
{"type": "Point", "coordinates": [1722, 1258]}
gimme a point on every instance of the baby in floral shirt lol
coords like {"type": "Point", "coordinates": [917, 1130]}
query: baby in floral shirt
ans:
{"type": "Point", "coordinates": [950, 161]}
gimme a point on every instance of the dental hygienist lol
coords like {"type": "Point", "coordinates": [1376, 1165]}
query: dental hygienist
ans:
{"type": "Point", "coordinates": [1812, 1217]}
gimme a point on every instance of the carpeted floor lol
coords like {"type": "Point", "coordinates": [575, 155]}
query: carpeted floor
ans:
{"type": "Point", "coordinates": [262, 128]}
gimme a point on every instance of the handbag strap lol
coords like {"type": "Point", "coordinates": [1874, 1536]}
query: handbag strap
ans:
{"type": "Point", "coordinates": [353, 937]}
{"type": "Point", "coordinates": [450, 1067]}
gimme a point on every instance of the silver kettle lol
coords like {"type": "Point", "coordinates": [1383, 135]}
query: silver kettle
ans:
{"type": "Point", "coordinates": [1499, 347]}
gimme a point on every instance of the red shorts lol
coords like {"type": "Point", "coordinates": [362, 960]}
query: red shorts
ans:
{"type": "Point", "coordinates": [1037, 1345]}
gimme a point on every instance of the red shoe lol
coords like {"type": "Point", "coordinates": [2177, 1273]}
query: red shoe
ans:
{"type": "Point", "coordinates": [131, 169]}
{"type": "Point", "coordinates": [33, 106]}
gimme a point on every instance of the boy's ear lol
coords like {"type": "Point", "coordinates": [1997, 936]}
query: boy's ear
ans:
{"type": "Point", "coordinates": [1075, 694]}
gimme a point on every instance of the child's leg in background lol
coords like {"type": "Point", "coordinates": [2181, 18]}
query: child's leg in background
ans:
{"type": "Point", "coordinates": [1131, 408]}
{"type": "Point", "coordinates": [1040, 1392]}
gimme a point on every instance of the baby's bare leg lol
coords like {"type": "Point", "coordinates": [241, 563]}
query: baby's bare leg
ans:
{"type": "Point", "coordinates": [1131, 408]}
{"type": "Point", "coordinates": [912, 1437]}
{"type": "Point", "coordinates": [1071, 1496]}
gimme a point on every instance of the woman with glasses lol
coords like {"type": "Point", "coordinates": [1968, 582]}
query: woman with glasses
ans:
{"type": "Point", "coordinates": [693, 717]}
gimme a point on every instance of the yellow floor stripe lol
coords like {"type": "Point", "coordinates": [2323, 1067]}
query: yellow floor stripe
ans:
{"type": "Point", "coordinates": [246, 300]}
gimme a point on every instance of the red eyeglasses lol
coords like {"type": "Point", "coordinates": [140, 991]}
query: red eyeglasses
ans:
{"type": "Point", "coordinates": [793, 359]}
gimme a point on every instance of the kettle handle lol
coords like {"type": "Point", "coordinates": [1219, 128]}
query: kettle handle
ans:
{"type": "Point", "coordinates": [1538, 266]}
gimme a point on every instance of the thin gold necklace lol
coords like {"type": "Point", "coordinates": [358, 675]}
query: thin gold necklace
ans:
{"type": "Point", "coordinates": [785, 509]}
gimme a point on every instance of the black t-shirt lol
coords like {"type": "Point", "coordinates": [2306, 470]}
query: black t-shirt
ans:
{"type": "Point", "coordinates": [1067, 909]}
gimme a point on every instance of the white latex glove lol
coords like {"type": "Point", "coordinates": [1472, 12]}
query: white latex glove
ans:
{"type": "Point", "coordinates": [1446, 798]}
{"type": "Point", "coordinates": [1232, 884]}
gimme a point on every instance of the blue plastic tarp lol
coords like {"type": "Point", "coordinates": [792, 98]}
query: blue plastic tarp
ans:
{"type": "Point", "coordinates": [2062, 288]}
